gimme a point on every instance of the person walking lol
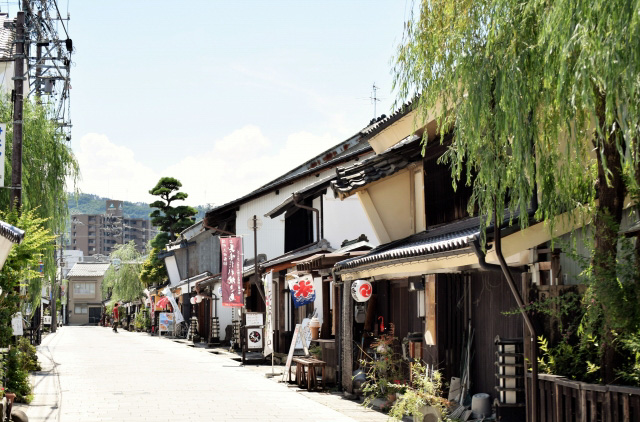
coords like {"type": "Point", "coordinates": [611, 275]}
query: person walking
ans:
{"type": "Point", "coordinates": [116, 318]}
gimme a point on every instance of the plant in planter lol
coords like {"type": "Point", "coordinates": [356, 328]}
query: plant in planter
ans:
{"type": "Point", "coordinates": [316, 351]}
{"type": "Point", "coordinates": [422, 397]}
{"type": "Point", "coordinates": [383, 371]}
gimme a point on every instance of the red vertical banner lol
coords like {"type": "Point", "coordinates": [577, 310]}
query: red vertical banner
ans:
{"type": "Point", "coordinates": [231, 271]}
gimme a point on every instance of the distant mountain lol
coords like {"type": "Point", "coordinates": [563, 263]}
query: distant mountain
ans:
{"type": "Point", "coordinates": [86, 203]}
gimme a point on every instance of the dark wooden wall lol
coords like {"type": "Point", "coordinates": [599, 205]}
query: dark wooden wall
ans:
{"type": "Point", "coordinates": [490, 298]}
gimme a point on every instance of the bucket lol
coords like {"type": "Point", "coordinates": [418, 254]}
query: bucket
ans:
{"type": "Point", "coordinates": [480, 405]}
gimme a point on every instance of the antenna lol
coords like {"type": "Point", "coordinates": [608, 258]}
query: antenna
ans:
{"type": "Point", "coordinates": [374, 99]}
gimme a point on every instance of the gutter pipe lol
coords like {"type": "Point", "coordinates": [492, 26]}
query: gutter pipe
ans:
{"type": "Point", "coordinates": [504, 268]}
{"type": "Point", "coordinates": [294, 197]}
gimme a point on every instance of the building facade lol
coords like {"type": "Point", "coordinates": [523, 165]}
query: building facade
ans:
{"type": "Point", "coordinates": [98, 234]}
{"type": "Point", "coordinates": [85, 292]}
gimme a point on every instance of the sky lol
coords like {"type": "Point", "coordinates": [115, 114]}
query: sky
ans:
{"type": "Point", "coordinates": [222, 95]}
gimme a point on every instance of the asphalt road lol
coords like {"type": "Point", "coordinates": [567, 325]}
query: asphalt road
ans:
{"type": "Point", "coordinates": [93, 374]}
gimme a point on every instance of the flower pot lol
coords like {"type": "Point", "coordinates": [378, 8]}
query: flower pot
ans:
{"type": "Point", "coordinates": [429, 414]}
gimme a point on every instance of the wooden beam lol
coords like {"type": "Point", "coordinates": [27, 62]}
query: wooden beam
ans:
{"type": "Point", "coordinates": [374, 216]}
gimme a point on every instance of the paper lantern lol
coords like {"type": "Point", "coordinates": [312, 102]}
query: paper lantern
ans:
{"type": "Point", "coordinates": [198, 298]}
{"type": "Point", "coordinates": [361, 290]}
{"type": "Point", "coordinates": [192, 300]}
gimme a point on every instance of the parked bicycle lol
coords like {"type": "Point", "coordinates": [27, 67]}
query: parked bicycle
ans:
{"type": "Point", "coordinates": [182, 330]}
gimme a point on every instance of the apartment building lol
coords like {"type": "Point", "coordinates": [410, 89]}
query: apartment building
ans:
{"type": "Point", "coordinates": [98, 234]}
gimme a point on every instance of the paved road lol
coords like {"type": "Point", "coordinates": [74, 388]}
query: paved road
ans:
{"type": "Point", "coordinates": [92, 374]}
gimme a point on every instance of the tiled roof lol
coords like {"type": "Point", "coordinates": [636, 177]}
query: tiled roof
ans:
{"type": "Point", "coordinates": [315, 248]}
{"type": "Point", "coordinates": [377, 167]}
{"type": "Point", "coordinates": [348, 154]}
{"type": "Point", "coordinates": [442, 239]}
{"type": "Point", "coordinates": [386, 121]}
{"type": "Point", "coordinates": [310, 190]}
{"type": "Point", "coordinates": [6, 39]}
{"type": "Point", "coordinates": [11, 233]}
{"type": "Point", "coordinates": [89, 269]}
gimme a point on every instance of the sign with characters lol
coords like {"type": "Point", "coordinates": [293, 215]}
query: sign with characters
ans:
{"type": "Point", "coordinates": [231, 271]}
{"type": "Point", "coordinates": [302, 290]}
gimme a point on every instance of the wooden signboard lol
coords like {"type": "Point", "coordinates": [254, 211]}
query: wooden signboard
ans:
{"type": "Point", "coordinates": [297, 332]}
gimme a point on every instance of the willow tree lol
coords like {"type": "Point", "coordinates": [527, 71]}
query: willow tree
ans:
{"type": "Point", "coordinates": [542, 96]}
{"type": "Point", "coordinates": [122, 279]}
{"type": "Point", "coordinates": [21, 266]}
{"type": "Point", "coordinates": [47, 164]}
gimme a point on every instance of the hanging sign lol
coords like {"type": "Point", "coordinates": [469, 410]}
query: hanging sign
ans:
{"type": "Point", "coordinates": [3, 137]}
{"type": "Point", "coordinates": [16, 324]}
{"type": "Point", "coordinates": [231, 271]}
{"type": "Point", "coordinates": [361, 290]}
{"type": "Point", "coordinates": [268, 326]}
{"type": "Point", "coordinates": [302, 290]}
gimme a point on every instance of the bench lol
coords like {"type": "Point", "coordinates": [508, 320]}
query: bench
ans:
{"type": "Point", "coordinates": [306, 375]}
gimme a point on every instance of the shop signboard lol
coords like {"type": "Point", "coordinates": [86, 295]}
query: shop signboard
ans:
{"type": "Point", "coordinates": [294, 340]}
{"type": "Point", "coordinates": [231, 271]}
{"type": "Point", "coordinates": [165, 322]}
{"type": "Point", "coordinates": [254, 322]}
{"type": "Point", "coordinates": [16, 324]}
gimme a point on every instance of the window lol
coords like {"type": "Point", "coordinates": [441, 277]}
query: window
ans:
{"type": "Point", "coordinates": [81, 308]}
{"type": "Point", "coordinates": [443, 204]}
{"type": "Point", "coordinates": [298, 227]}
{"type": "Point", "coordinates": [84, 288]}
{"type": "Point", "coordinates": [92, 241]}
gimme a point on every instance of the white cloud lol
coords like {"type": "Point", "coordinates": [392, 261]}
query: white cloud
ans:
{"type": "Point", "coordinates": [234, 166]}
{"type": "Point", "coordinates": [111, 170]}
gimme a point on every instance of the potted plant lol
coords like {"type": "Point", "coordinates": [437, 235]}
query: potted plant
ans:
{"type": "Point", "coordinates": [316, 351]}
{"type": "Point", "coordinates": [421, 397]}
{"type": "Point", "coordinates": [383, 371]}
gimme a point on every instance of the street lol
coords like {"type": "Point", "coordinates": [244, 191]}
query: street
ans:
{"type": "Point", "coordinates": [92, 374]}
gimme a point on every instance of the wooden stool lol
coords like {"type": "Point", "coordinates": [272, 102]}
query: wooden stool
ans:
{"type": "Point", "coordinates": [306, 375]}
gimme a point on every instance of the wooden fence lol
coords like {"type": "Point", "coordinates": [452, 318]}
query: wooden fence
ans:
{"type": "Point", "coordinates": [564, 400]}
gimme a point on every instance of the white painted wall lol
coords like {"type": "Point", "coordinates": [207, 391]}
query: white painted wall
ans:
{"type": "Point", "coordinates": [271, 234]}
{"type": "Point", "coordinates": [172, 270]}
{"type": "Point", "coordinates": [345, 220]}
{"type": "Point", "coordinates": [340, 225]}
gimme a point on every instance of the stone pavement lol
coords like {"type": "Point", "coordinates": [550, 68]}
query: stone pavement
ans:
{"type": "Point", "coordinates": [93, 374]}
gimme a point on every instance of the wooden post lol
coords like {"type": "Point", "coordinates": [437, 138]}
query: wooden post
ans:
{"type": "Point", "coordinates": [347, 338]}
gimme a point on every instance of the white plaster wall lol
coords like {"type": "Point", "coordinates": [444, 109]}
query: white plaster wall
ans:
{"type": "Point", "coordinates": [6, 73]}
{"type": "Point", "coordinates": [271, 233]}
{"type": "Point", "coordinates": [172, 270]}
{"type": "Point", "coordinates": [345, 220]}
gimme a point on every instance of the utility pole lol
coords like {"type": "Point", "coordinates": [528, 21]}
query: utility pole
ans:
{"type": "Point", "coordinates": [18, 93]}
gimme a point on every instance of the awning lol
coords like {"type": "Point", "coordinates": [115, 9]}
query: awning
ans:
{"type": "Point", "coordinates": [310, 191]}
{"type": "Point", "coordinates": [445, 239]}
{"type": "Point", "coordinates": [325, 260]}
{"type": "Point", "coordinates": [286, 261]}
{"type": "Point", "coordinates": [186, 283]}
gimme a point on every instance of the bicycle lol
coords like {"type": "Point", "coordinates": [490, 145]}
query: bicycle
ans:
{"type": "Point", "coordinates": [182, 329]}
